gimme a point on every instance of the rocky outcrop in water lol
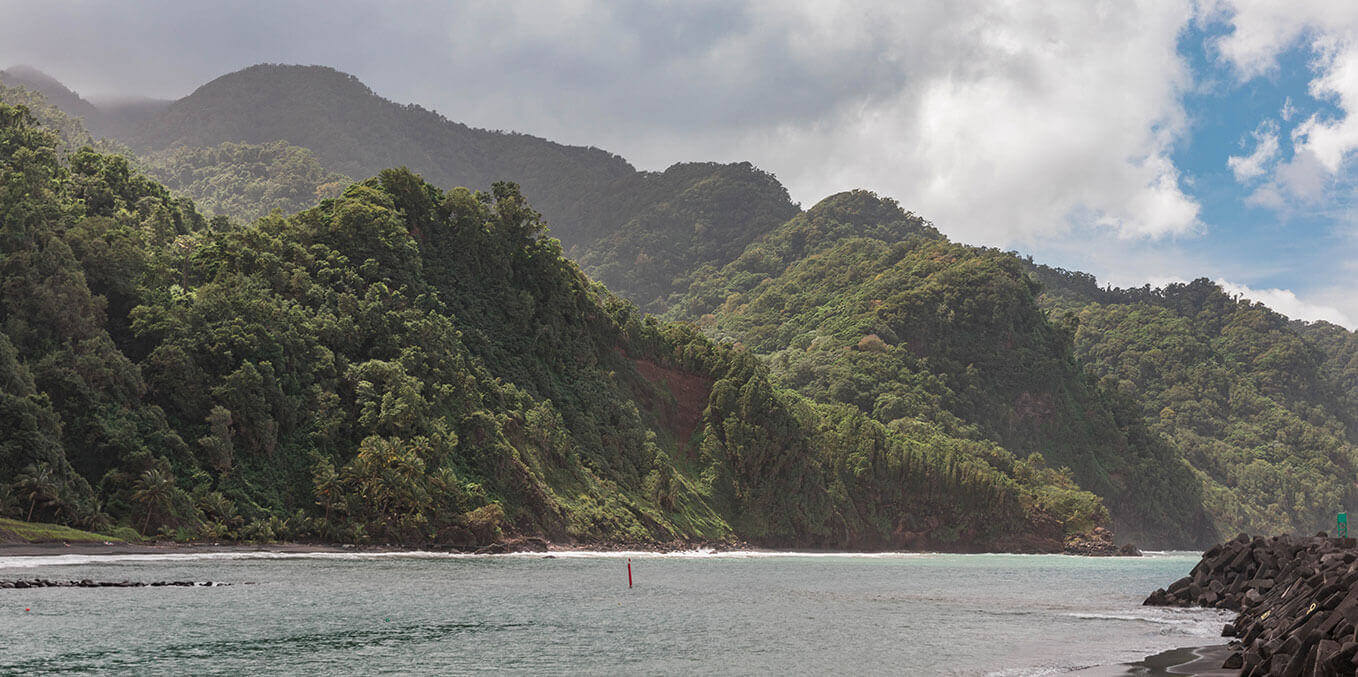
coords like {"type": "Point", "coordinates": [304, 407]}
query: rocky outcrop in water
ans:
{"type": "Point", "coordinates": [1098, 543]}
{"type": "Point", "coordinates": [1297, 597]}
{"type": "Point", "coordinates": [24, 584]}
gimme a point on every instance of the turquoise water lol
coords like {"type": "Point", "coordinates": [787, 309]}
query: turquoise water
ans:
{"type": "Point", "coordinates": [694, 613]}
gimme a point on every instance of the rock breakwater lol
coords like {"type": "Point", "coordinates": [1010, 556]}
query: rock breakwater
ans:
{"type": "Point", "coordinates": [26, 583]}
{"type": "Point", "coordinates": [1297, 599]}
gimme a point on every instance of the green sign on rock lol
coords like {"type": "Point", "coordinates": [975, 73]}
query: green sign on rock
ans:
{"type": "Point", "coordinates": [1342, 525]}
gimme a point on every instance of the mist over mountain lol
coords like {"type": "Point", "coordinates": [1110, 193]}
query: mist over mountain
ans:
{"type": "Point", "coordinates": [56, 93]}
{"type": "Point", "coordinates": [116, 117]}
{"type": "Point", "coordinates": [121, 117]}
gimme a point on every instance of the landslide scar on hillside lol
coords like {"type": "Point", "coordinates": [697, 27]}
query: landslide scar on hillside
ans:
{"type": "Point", "coordinates": [682, 411]}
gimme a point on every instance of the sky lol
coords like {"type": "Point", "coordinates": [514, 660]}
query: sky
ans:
{"type": "Point", "coordinates": [1143, 142]}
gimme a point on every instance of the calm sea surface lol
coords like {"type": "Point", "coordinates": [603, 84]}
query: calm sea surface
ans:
{"type": "Point", "coordinates": [325, 613]}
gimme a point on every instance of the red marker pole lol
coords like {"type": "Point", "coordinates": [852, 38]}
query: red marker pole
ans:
{"type": "Point", "coordinates": [629, 572]}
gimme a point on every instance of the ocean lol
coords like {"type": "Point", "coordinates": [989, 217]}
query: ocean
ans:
{"type": "Point", "coordinates": [696, 612]}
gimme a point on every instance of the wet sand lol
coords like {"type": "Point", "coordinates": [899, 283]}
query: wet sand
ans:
{"type": "Point", "coordinates": [1203, 661]}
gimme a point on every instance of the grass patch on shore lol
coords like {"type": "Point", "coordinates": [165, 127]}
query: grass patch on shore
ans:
{"type": "Point", "coordinates": [18, 531]}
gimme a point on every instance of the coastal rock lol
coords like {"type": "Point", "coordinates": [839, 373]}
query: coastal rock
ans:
{"type": "Point", "coordinates": [529, 544]}
{"type": "Point", "coordinates": [1096, 543]}
{"type": "Point", "coordinates": [1297, 599]}
{"type": "Point", "coordinates": [493, 549]}
{"type": "Point", "coordinates": [1234, 661]}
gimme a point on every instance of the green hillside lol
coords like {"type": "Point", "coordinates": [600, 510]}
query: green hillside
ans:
{"type": "Point", "coordinates": [405, 364]}
{"type": "Point", "coordinates": [243, 180]}
{"type": "Point", "coordinates": [70, 130]}
{"type": "Point", "coordinates": [1265, 410]}
{"type": "Point", "coordinates": [354, 132]}
{"type": "Point", "coordinates": [858, 302]}
{"type": "Point", "coordinates": [692, 217]}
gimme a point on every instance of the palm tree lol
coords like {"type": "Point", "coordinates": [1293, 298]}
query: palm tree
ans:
{"type": "Point", "coordinates": [327, 483]}
{"type": "Point", "coordinates": [153, 488]}
{"type": "Point", "coordinates": [38, 483]}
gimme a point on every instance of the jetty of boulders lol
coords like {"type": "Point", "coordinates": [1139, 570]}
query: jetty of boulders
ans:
{"type": "Point", "coordinates": [26, 583]}
{"type": "Point", "coordinates": [1297, 599]}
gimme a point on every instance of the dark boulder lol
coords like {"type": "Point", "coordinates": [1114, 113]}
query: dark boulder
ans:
{"type": "Point", "coordinates": [493, 549]}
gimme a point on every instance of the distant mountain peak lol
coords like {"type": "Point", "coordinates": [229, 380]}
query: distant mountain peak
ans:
{"type": "Point", "coordinates": [863, 213]}
{"type": "Point", "coordinates": [280, 74]}
{"type": "Point", "coordinates": [859, 205]}
{"type": "Point", "coordinates": [27, 73]}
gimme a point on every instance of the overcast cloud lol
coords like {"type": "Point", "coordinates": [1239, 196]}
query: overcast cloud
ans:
{"type": "Point", "coordinates": [1008, 124]}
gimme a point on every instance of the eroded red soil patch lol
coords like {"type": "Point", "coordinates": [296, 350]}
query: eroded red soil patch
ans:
{"type": "Point", "coordinates": [683, 410]}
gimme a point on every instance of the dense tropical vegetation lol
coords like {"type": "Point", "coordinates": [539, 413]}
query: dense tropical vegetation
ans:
{"type": "Point", "coordinates": [296, 355]}
{"type": "Point", "coordinates": [405, 364]}
{"type": "Point", "coordinates": [1262, 408]}
{"type": "Point", "coordinates": [245, 181]}
{"type": "Point", "coordinates": [859, 302]}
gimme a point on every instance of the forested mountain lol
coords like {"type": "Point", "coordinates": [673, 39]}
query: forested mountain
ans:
{"type": "Point", "coordinates": [1264, 409]}
{"type": "Point", "coordinates": [1189, 412]}
{"type": "Point", "coordinates": [405, 364]}
{"type": "Point", "coordinates": [690, 219]}
{"type": "Point", "coordinates": [232, 179]}
{"type": "Point", "coordinates": [357, 133]}
{"type": "Point", "coordinates": [608, 215]}
{"type": "Point", "coordinates": [861, 303]}
{"type": "Point", "coordinates": [70, 130]}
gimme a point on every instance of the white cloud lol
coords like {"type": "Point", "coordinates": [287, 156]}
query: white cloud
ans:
{"type": "Point", "coordinates": [1021, 122]}
{"type": "Point", "coordinates": [1003, 123]}
{"type": "Point", "coordinates": [1265, 151]}
{"type": "Point", "coordinates": [1288, 303]}
{"type": "Point", "coordinates": [1321, 144]}
{"type": "Point", "coordinates": [1267, 196]}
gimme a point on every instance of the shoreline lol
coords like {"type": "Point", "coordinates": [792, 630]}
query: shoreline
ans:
{"type": "Point", "coordinates": [539, 547]}
{"type": "Point", "coordinates": [1194, 661]}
